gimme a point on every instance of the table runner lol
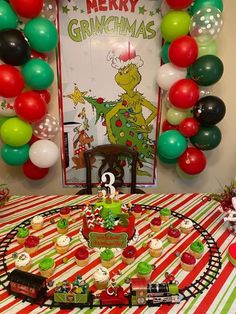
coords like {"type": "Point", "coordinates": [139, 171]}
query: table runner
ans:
{"type": "Point", "coordinates": [219, 298]}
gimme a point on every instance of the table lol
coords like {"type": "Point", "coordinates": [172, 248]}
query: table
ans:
{"type": "Point", "coordinates": [219, 298]}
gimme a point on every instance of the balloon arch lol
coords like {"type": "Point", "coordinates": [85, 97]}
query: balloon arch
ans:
{"type": "Point", "coordinates": [190, 65]}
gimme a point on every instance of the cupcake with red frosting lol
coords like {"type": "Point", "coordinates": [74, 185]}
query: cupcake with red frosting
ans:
{"type": "Point", "coordinates": [232, 253]}
{"type": "Point", "coordinates": [155, 224]}
{"type": "Point", "coordinates": [137, 211]}
{"type": "Point", "coordinates": [173, 235]}
{"type": "Point", "coordinates": [65, 212]}
{"type": "Point", "coordinates": [129, 254]}
{"type": "Point", "coordinates": [188, 261]}
{"type": "Point", "coordinates": [31, 244]}
{"type": "Point", "coordinates": [82, 256]}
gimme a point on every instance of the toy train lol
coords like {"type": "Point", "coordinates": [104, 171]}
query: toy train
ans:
{"type": "Point", "coordinates": [77, 294]}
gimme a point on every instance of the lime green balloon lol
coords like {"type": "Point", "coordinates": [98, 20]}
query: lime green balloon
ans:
{"type": "Point", "coordinates": [16, 132]}
{"type": "Point", "coordinates": [175, 116]}
{"type": "Point", "coordinates": [184, 175]}
{"type": "Point", "coordinates": [207, 49]}
{"type": "Point", "coordinates": [8, 18]}
{"type": "Point", "coordinates": [165, 52]}
{"type": "Point", "coordinates": [175, 24]}
{"type": "Point", "coordinates": [2, 120]}
{"type": "Point", "coordinates": [199, 4]}
{"type": "Point", "coordinates": [15, 156]}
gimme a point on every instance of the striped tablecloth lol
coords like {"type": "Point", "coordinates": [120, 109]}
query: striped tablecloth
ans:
{"type": "Point", "coordinates": [219, 298]}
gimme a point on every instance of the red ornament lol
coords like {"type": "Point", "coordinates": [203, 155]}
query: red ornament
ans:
{"type": "Point", "coordinates": [100, 100]}
{"type": "Point", "coordinates": [123, 163]}
{"type": "Point", "coordinates": [118, 123]}
{"type": "Point", "coordinates": [129, 143]}
{"type": "Point", "coordinates": [179, 4]}
{"type": "Point", "coordinates": [189, 127]}
{"type": "Point", "coordinates": [184, 94]}
{"type": "Point", "coordinates": [33, 172]}
{"type": "Point", "coordinates": [183, 51]}
{"type": "Point", "coordinates": [192, 161]}
{"type": "Point", "coordinates": [45, 95]}
{"type": "Point", "coordinates": [27, 8]}
{"type": "Point", "coordinates": [11, 81]}
{"type": "Point", "coordinates": [166, 126]}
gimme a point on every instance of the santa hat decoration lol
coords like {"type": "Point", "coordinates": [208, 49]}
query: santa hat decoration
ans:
{"type": "Point", "coordinates": [123, 55]}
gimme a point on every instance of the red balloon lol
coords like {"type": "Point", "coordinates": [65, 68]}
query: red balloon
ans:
{"type": "Point", "coordinates": [183, 51]}
{"type": "Point", "coordinates": [30, 106]}
{"type": "Point", "coordinates": [27, 8]}
{"type": "Point", "coordinates": [189, 127]}
{"type": "Point", "coordinates": [11, 81]}
{"type": "Point", "coordinates": [166, 126]}
{"type": "Point", "coordinates": [33, 172]}
{"type": "Point", "coordinates": [44, 94]}
{"type": "Point", "coordinates": [184, 94]}
{"type": "Point", "coordinates": [33, 139]}
{"type": "Point", "coordinates": [38, 55]}
{"type": "Point", "coordinates": [192, 161]}
{"type": "Point", "coordinates": [179, 4]}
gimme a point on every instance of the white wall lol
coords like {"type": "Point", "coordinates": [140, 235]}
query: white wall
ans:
{"type": "Point", "coordinates": [221, 161]}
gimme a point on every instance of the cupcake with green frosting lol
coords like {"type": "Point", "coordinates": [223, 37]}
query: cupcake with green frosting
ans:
{"type": "Point", "coordinates": [197, 249]}
{"type": "Point", "coordinates": [144, 270]}
{"type": "Point", "coordinates": [107, 258]}
{"type": "Point", "coordinates": [165, 214]}
{"type": "Point", "coordinates": [22, 234]}
{"type": "Point", "coordinates": [62, 226]}
{"type": "Point", "coordinates": [46, 266]}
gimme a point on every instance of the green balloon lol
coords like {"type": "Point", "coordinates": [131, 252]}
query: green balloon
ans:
{"type": "Point", "coordinates": [8, 18]}
{"type": "Point", "coordinates": [167, 161]}
{"type": "Point", "coordinates": [206, 70]}
{"type": "Point", "coordinates": [184, 175]}
{"type": "Point", "coordinates": [171, 144]}
{"type": "Point", "coordinates": [175, 116]}
{"type": "Point", "coordinates": [2, 120]}
{"type": "Point", "coordinates": [42, 34]}
{"type": "Point", "coordinates": [15, 156]}
{"type": "Point", "coordinates": [207, 49]}
{"type": "Point", "coordinates": [207, 138]}
{"type": "Point", "coordinates": [16, 132]}
{"type": "Point", "coordinates": [199, 4]}
{"type": "Point", "coordinates": [175, 24]}
{"type": "Point", "coordinates": [38, 74]}
{"type": "Point", "coordinates": [165, 52]}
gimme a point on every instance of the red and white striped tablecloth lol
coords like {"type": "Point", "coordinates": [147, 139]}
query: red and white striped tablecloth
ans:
{"type": "Point", "coordinates": [219, 298]}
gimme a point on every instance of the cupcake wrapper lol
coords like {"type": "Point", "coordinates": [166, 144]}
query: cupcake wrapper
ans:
{"type": "Point", "coordinates": [186, 267]}
{"type": "Point", "coordinates": [128, 261]}
{"type": "Point", "coordinates": [37, 226]}
{"type": "Point", "coordinates": [81, 262]}
{"type": "Point", "coordinates": [155, 253]}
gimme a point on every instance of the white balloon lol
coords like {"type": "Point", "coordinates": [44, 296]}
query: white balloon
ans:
{"type": "Point", "coordinates": [7, 107]}
{"type": "Point", "coordinates": [49, 10]}
{"type": "Point", "coordinates": [168, 74]}
{"type": "Point", "coordinates": [43, 153]}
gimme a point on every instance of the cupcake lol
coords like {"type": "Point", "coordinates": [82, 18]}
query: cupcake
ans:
{"type": "Point", "coordinates": [82, 256]}
{"type": "Point", "coordinates": [232, 253]}
{"type": "Point", "coordinates": [62, 226]}
{"type": "Point", "coordinates": [155, 247]}
{"type": "Point", "coordinates": [173, 235]}
{"type": "Point", "coordinates": [23, 261]}
{"type": "Point", "coordinates": [129, 254]}
{"type": "Point", "coordinates": [37, 222]}
{"type": "Point", "coordinates": [137, 211]}
{"type": "Point", "coordinates": [188, 261]}
{"type": "Point", "coordinates": [197, 249]}
{"type": "Point", "coordinates": [31, 244]}
{"type": "Point", "coordinates": [62, 244]}
{"type": "Point", "coordinates": [65, 212]}
{"type": "Point", "coordinates": [155, 224]}
{"type": "Point", "coordinates": [22, 234]}
{"type": "Point", "coordinates": [144, 270]}
{"type": "Point", "coordinates": [46, 266]}
{"type": "Point", "coordinates": [101, 278]}
{"type": "Point", "coordinates": [107, 258]}
{"type": "Point", "coordinates": [165, 214]}
{"type": "Point", "coordinates": [186, 226]}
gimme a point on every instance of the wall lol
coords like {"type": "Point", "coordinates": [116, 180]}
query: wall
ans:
{"type": "Point", "coordinates": [221, 167]}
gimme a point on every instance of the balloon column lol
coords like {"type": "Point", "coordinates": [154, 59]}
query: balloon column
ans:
{"type": "Point", "coordinates": [190, 66]}
{"type": "Point", "coordinates": [26, 126]}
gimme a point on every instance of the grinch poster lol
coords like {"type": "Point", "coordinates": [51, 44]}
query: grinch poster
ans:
{"type": "Point", "coordinates": [108, 58]}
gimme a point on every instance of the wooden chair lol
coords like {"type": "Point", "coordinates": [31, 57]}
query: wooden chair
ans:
{"type": "Point", "coordinates": [112, 156]}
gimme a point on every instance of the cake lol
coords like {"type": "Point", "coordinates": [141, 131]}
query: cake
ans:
{"type": "Point", "coordinates": [186, 226]}
{"type": "Point", "coordinates": [107, 258]}
{"type": "Point", "coordinates": [144, 270]}
{"type": "Point", "coordinates": [37, 222]}
{"type": "Point", "coordinates": [155, 247]}
{"type": "Point", "coordinates": [165, 214]}
{"type": "Point", "coordinates": [82, 256]}
{"type": "Point", "coordinates": [108, 204]}
{"type": "Point", "coordinates": [46, 267]}
{"type": "Point", "coordinates": [22, 234]}
{"type": "Point", "coordinates": [232, 253]}
{"type": "Point", "coordinates": [101, 278]}
{"type": "Point", "coordinates": [196, 249]}
{"type": "Point", "coordinates": [129, 254]}
{"type": "Point", "coordinates": [155, 224]}
{"type": "Point", "coordinates": [31, 244]}
{"type": "Point", "coordinates": [173, 235]}
{"type": "Point", "coordinates": [62, 226]}
{"type": "Point", "coordinates": [137, 211]}
{"type": "Point", "coordinates": [23, 261]}
{"type": "Point", "coordinates": [62, 244]}
{"type": "Point", "coordinates": [188, 261]}
{"type": "Point", "coordinates": [65, 212]}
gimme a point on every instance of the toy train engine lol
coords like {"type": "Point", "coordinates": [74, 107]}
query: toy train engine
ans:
{"type": "Point", "coordinates": [27, 286]}
{"type": "Point", "coordinates": [158, 293]}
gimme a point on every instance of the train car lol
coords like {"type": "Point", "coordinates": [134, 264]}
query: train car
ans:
{"type": "Point", "coordinates": [158, 293]}
{"type": "Point", "coordinates": [27, 285]}
{"type": "Point", "coordinates": [114, 297]}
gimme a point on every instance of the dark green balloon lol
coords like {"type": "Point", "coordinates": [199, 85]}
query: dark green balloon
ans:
{"type": "Point", "coordinates": [8, 18]}
{"type": "Point", "coordinates": [207, 138]}
{"type": "Point", "coordinates": [15, 156]}
{"type": "Point", "coordinates": [199, 4]}
{"type": "Point", "coordinates": [206, 70]}
{"type": "Point", "coordinates": [165, 52]}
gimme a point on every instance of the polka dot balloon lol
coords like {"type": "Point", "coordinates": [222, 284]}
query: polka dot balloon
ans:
{"type": "Point", "coordinates": [46, 128]}
{"type": "Point", "coordinates": [206, 24]}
